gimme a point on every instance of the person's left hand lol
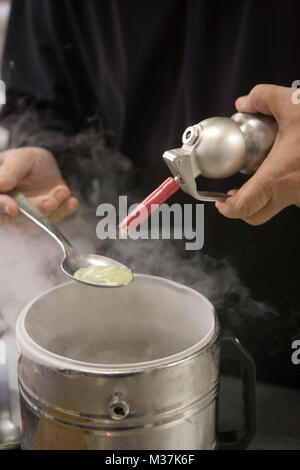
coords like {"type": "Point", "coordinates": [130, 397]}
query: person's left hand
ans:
{"type": "Point", "coordinates": [276, 183]}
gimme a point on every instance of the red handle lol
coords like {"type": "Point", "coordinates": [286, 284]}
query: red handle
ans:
{"type": "Point", "coordinates": [149, 205]}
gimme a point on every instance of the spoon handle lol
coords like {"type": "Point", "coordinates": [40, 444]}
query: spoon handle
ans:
{"type": "Point", "coordinates": [36, 216]}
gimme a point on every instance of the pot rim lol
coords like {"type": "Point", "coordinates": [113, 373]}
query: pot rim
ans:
{"type": "Point", "coordinates": [30, 349]}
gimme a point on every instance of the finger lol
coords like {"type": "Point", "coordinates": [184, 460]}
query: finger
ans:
{"type": "Point", "coordinates": [13, 168]}
{"type": "Point", "coordinates": [265, 214]}
{"type": "Point", "coordinates": [265, 99]}
{"type": "Point", "coordinates": [67, 208]}
{"type": "Point", "coordinates": [61, 193]}
{"type": "Point", "coordinates": [53, 199]}
{"type": "Point", "coordinates": [8, 205]}
{"type": "Point", "coordinates": [248, 200]}
{"type": "Point", "coordinates": [232, 192]}
{"type": "Point", "coordinates": [50, 202]}
{"type": "Point", "coordinates": [46, 204]}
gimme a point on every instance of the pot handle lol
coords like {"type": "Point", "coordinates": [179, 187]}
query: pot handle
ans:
{"type": "Point", "coordinates": [232, 349]}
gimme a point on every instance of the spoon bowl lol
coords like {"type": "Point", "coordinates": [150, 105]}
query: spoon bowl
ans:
{"type": "Point", "coordinates": [73, 259]}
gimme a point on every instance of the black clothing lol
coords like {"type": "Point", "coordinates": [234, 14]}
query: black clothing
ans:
{"type": "Point", "coordinates": [152, 68]}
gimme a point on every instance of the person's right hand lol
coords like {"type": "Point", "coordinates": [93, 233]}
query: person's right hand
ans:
{"type": "Point", "coordinates": [34, 171]}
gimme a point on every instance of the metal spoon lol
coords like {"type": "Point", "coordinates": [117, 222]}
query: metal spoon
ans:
{"type": "Point", "coordinates": [73, 259]}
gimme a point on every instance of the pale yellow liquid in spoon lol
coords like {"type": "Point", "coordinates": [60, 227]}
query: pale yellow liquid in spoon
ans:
{"type": "Point", "coordinates": [104, 275]}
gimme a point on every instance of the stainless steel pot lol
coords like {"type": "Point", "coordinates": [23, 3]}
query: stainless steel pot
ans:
{"type": "Point", "coordinates": [10, 434]}
{"type": "Point", "coordinates": [131, 368]}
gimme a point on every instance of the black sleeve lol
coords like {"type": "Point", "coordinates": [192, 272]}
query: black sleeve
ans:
{"type": "Point", "coordinates": [42, 59]}
{"type": "Point", "coordinates": [49, 97]}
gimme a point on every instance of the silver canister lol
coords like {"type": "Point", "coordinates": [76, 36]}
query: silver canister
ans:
{"type": "Point", "coordinates": [131, 368]}
{"type": "Point", "coordinates": [219, 147]}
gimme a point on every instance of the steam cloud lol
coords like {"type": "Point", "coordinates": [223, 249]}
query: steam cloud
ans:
{"type": "Point", "coordinates": [98, 173]}
{"type": "Point", "coordinates": [30, 262]}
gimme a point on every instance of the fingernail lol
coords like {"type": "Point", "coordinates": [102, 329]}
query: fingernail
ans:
{"type": "Point", "coordinates": [220, 203]}
{"type": "Point", "coordinates": [47, 206]}
{"type": "Point", "coordinates": [70, 206]}
{"type": "Point", "coordinates": [242, 100]}
{"type": "Point", "coordinates": [61, 196]}
{"type": "Point", "coordinates": [8, 210]}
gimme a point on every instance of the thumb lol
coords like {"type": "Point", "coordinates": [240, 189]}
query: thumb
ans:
{"type": "Point", "coordinates": [13, 168]}
{"type": "Point", "coordinates": [265, 99]}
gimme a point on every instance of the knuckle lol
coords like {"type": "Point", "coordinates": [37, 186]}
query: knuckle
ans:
{"type": "Point", "coordinates": [258, 92]}
{"type": "Point", "coordinates": [9, 179]}
{"type": "Point", "coordinates": [253, 221]}
{"type": "Point", "coordinates": [26, 154]}
{"type": "Point", "coordinates": [243, 208]}
{"type": "Point", "coordinates": [37, 151]}
{"type": "Point", "coordinates": [46, 206]}
{"type": "Point", "coordinates": [29, 154]}
{"type": "Point", "coordinates": [285, 190]}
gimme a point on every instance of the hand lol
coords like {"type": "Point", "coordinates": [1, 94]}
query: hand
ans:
{"type": "Point", "coordinates": [276, 183]}
{"type": "Point", "coordinates": [34, 171]}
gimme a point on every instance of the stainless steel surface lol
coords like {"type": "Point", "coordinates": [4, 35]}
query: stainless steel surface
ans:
{"type": "Point", "coordinates": [259, 132]}
{"type": "Point", "coordinates": [118, 406]}
{"type": "Point", "coordinates": [219, 147]}
{"type": "Point", "coordinates": [73, 259]}
{"type": "Point", "coordinates": [148, 354]}
{"type": "Point", "coordinates": [10, 434]}
{"type": "Point", "coordinates": [180, 164]}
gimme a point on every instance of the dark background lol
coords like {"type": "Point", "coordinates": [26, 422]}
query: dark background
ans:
{"type": "Point", "coordinates": [146, 70]}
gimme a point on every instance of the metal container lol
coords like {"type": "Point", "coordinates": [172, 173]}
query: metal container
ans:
{"type": "Point", "coordinates": [10, 433]}
{"type": "Point", "coordinates": [129, 368]}
{"type": "Point", "coordinates": [219, 147]}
